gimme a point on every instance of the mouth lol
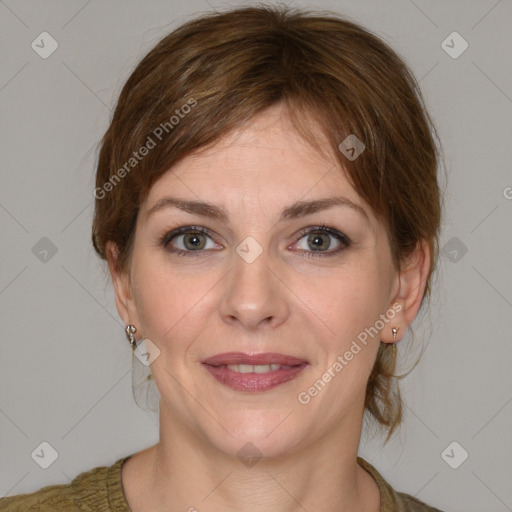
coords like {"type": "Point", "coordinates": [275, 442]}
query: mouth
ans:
{"type": "Point", "coordinates": [254, 373]}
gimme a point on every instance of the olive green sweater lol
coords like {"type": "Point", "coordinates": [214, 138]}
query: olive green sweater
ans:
{"type": "Point", "coordinates": [101, 490]}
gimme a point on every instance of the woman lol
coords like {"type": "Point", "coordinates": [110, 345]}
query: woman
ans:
{"type": "Point", "coordinates": [268, 205]}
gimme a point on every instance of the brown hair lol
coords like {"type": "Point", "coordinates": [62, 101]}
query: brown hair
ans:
{"type": "Point", "coordinates": [215, 73]}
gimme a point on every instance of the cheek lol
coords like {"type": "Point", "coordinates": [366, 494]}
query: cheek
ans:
{"type": "Point", "coordinates": [170, 305]}
{"type": "Point", "coordinates": [352, 300]}
{"type": "Point", "coordinates": [350, 307]}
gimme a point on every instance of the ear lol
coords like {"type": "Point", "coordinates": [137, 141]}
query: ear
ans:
{"type": "Point", "coordinates": [412, 280]}
{"type": "Point", "coordinates": [121, 282]}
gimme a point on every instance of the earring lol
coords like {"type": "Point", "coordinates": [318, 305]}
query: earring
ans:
{"type": "Point", "coordinates": [130, 331]}
{"type": "Point", "coordinates": [394, 330]}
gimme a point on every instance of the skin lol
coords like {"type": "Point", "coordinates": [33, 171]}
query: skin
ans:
{"type": "Point", "coordinates": [193, 307]}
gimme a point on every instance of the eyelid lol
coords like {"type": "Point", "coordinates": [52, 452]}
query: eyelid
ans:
{"type": "Point", "coordinates": [344, 241]}
{"type": "Point", "coordinates": [173, 233]}
{"type": "Point", "coordinates": [165, 240]}
{"type": "Point", "coordinates": [327, 230]}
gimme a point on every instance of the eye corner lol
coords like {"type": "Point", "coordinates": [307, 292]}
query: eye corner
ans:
{"type": "Point", "coordinates": [165, 241]}
{"type": "Point", "coordinates": [344, 242]}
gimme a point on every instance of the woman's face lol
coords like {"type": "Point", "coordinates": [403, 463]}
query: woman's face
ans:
{"type": "Point", "coordinates": [253, 273]}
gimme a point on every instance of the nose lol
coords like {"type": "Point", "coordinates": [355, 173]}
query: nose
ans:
{"type": "Point", "coordinates": [254, 296]}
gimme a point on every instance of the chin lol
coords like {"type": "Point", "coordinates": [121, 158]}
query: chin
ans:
{"type": "Point", "coordinates": [256, 434]}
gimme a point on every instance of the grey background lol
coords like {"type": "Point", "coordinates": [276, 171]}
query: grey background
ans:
{"type": "Point", "coordinates": [65, 363]}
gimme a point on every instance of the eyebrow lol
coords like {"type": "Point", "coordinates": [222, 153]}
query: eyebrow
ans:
{"type": "Point", "coordinates": [296, 210]}
{"type": "Point", "coordinates": [302, 208]}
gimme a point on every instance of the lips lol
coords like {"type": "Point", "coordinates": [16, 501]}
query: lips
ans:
{"type": "Point", "coordinates": [256, 359]}
{"type": "Point", "coordinates": [258, 372]}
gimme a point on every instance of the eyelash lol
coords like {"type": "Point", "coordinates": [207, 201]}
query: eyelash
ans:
{"type": "Point", "coordinates": [342, 238]}
{"type": "Point", "coordinates": [166, 239]}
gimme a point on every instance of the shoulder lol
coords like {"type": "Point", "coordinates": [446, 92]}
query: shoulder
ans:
{"type": "Point", "coordinates": [391, 500]}
{"type": "Point", "coordinates": [412, 504]}
{"type": "Point", "coordinates": [98, 489]}
{"type": "Point", "coordinates": [54, 498]}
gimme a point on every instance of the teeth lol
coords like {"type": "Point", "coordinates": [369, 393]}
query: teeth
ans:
{"type": "Point", "coordinates": [256, 368]}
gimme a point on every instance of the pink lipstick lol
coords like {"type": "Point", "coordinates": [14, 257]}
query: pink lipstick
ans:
{"type": "Point", "coordinates": [253, 373]}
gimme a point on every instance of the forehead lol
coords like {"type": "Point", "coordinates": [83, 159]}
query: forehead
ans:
{"type": "Point", "coordinates": [266, 165]}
